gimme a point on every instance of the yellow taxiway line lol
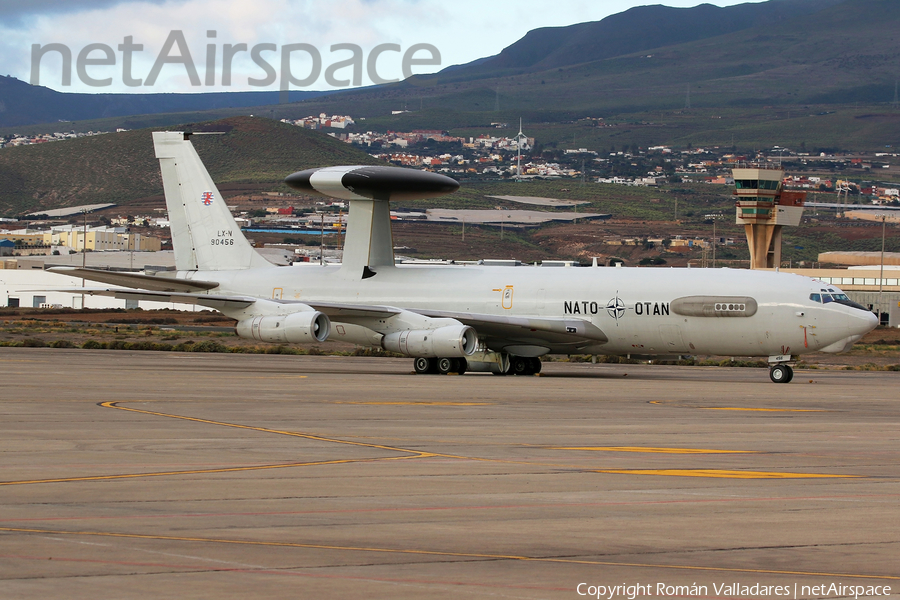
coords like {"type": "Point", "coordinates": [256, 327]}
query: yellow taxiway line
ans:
{"type": "Point", "coordinates": [652, 450]}
{"type": "Point", "coordinates": [720, 473]}
{"type": "Point", "coordinates": [409, 454]}
{"type": "Point", "coordinates": [413, 403]}
{"type": "Point", "coordinates": [738, 408]}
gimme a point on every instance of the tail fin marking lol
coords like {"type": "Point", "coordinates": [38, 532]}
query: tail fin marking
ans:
{"type": "Point", "coordinates": [205, 235]}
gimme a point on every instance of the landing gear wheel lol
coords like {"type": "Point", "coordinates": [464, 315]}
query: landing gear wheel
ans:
{"type": "Point", "coordinates": [446, 365]}
{"type": "Point", "coordinates": [463, 366]}
{"type": "Point", "coordinates": [781, 373]}
{"type": "Point", "coordinates": [519, 365]}
{"type": "Point", "coordinates": [535, 365]}
{"type": "Point", "coordinates": [424, 366]}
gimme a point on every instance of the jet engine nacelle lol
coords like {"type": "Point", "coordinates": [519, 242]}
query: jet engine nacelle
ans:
{"type": "Point", "coordinates": [307, 326]}
{"type": "Point", "coordinates": [451, 342]}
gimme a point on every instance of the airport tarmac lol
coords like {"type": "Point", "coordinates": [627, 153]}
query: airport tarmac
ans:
{"type": "Point", "coordinates": [186, 475]}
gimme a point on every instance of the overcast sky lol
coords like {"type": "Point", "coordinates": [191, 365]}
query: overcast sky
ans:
{"type": "Point", "coordinates": [461, 30]}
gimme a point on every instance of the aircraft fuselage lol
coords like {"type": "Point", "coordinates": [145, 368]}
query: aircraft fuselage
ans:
{"type": "Point", "coordinates": [642, 311]}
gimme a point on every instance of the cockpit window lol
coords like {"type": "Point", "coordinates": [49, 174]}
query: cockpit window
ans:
{"type": "Point", "coordinates": [840, 298]}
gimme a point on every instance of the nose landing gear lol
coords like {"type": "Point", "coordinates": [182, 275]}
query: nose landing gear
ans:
{"type": "Point", "coordinates": [781, 373]}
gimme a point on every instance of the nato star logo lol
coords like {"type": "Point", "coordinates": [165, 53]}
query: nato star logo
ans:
{"type": "Point", "coordinates": [616, 308]}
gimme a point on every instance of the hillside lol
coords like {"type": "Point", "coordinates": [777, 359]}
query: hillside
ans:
{"type": "Point", "coordinates": [121, 168]}
{"type": "Point", "coordinates": [635, 30]}
{"type": "Point", "coordinates": [25, 104]}
{"type": "Point", "coordinates": [845, 53]}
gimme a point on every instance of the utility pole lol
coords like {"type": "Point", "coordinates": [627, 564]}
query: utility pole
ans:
{"type": "Point", "coordinates": [84, 245]}
{"type": "Point", "coordinates": [881, 276]}
{"type": "Point", "coordinates": [83, 253]}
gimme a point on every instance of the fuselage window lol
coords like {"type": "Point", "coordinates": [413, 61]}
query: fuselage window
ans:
{"type": "Point", "coordinates": [826, 298]}
{"type": "Point", "coordinates": [815, 297]}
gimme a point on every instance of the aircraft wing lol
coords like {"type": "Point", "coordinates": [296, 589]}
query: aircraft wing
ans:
{"type": "Point", "coordinates": [207, 300]}
{"type": "Point", "coordinates": [526, 330]}
{"type": "Point", "coordinates": [335, 311]}
{"type": "Point", "coordinates": [338, 312]}
{"type": "Point", "coordinates": [497, 330]}
{"type": "Point", "coordinates": [135, 280]}
{"type": "Point", "coordinates": [523, 330]}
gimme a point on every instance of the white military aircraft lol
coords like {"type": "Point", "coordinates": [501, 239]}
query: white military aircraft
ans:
{"type": "Point", "coordinates": [477, 318]}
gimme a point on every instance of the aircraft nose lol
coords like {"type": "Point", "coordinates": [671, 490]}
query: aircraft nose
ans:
{"type": "Point", "coordinates": [862, 322]}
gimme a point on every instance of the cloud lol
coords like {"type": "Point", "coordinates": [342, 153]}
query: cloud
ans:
{"type": "Point", "coordinates": [15, 12]}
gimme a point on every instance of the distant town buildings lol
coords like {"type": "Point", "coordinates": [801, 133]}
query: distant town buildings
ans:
{"type": "Point", "coordinates": [63, 238]}
{"type": "Point", "coordinates": [25, 140]}
{"type": "Point", "coordinates": [323, 120]}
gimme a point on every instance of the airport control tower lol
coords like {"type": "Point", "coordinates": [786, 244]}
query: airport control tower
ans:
{"type": "Point", "coordinates": [763, 208]}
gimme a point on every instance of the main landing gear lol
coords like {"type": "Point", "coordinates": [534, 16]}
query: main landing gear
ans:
{"type": "Point", "coordinates": [432, 366]}
{"type": "Point", "coordinates": [781, 373]}
{"type": "Point", "coordinates": [520, 365]}
{"type": "Point", "coordinates": [514, 365]}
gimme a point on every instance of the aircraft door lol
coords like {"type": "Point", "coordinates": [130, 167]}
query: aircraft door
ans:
{"type": "Point", "coordinates": [507, 297]}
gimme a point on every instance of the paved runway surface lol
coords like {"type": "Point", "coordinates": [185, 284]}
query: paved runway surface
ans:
{"type": "Point", "coordinates": [170, 475]}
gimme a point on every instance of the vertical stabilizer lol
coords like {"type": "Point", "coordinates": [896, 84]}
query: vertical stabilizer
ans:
{"type": "Point", "coordinates": [204, 234]}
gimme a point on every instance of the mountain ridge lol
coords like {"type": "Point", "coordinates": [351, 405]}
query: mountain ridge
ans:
{"type": "Point", "coordinates": [658, 25]}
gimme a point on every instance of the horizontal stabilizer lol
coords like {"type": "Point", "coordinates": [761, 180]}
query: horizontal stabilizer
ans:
{"type": "Point", "coordinates": [136, 280]}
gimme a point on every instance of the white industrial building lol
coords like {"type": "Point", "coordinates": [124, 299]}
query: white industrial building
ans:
{"type": "Point", "coordinates": [36, 288]}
